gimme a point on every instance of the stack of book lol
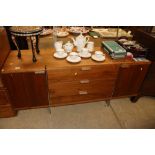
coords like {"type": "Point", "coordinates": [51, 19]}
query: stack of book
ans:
{"type": "Point", "coordinates": [114, 49]}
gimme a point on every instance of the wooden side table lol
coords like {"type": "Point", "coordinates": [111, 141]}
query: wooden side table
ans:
{"type": "Point", "coordinates": [27, 31]}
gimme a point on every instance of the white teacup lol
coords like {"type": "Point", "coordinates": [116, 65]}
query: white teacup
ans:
{"type": "Point", "coordinates": [60, 51]}
{"type": "Point", "coordinates": [58, 45]}
{"type": "Point", "coordinates": [99, 54]}
{"type": "Point", "coordinates": [84, 51]}
{"type": "Point", "coordinates": [90, 46]}
{"type": "Point", "coordinates": [73, 55]}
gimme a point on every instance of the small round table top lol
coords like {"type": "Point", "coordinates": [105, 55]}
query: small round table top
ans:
{"type": "Point", "coordinates": [26, 30]}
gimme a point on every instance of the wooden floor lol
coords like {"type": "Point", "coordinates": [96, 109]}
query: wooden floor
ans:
{"type": "Point", "coordinates": [120, 114]}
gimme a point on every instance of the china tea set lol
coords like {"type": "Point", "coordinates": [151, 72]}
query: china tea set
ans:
{"type": "Point", "coordinates": [84, 50]}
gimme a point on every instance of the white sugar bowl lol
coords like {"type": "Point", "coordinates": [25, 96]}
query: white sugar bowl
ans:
{"type": "Point", "coordinates": [68, 47]}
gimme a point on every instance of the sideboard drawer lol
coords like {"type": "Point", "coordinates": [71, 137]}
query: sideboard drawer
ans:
{"type": "Point", "coordinates": [67, 100]}
{"type": "Point", "coordinates": [91, 72]}
{"type": "Point", "coordinates": [82, 88]}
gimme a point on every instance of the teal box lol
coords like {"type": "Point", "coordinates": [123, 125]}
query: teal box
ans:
{"type": "Point", "coordinates": [114, 47]}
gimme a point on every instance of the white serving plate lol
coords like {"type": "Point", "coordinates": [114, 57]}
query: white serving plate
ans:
{"type": "Point", "coordinates": [46, 32]}
{"type": "Point", "coordinates": [62, 34]}
{"type": "Point", "coordinates": [88, 55]}
{"type": "Point", "coordinates": [56, 55]}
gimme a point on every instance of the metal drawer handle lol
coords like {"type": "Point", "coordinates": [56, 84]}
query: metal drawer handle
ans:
{"type": "Point", "coordinates": [84, 81]}
{"type": "Point", "coordinates": [125, 66]}
{"type": "Point", "coordinates": [83, 92]}
{"type": "Point", "coordinates": [85, 68]}
{"type": "Point", "coordinates": [141, 68]}
{"type": "Point", "coordinates": [39, 72]}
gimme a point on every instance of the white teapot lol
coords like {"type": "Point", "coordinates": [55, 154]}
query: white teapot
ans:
{"type": "Point", "coordinates": [80, 42]}
{"type": "Point", "coordinates": [68, 47]}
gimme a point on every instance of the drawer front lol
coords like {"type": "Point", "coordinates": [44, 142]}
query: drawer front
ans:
{"type": "Point", "coordinates": [3, 97]}
{"type": "Point", "coordinates": [67, 100]}
{"type": "Point", "coordinates": [82, 88]}
{"type": "Point", "coordinates": [91, 72]}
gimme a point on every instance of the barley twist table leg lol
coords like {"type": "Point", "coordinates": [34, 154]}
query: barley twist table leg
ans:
{"type": "Point", "coordinates": [15, 42]}
{"type": "Point", "coordinates": [37, 44]}
{"type": "Point", "coordinates": [33, 44]}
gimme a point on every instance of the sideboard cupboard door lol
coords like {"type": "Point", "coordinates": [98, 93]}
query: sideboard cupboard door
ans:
{"type": "Point", "coordinates": [27, 90]}
{"type": "Point", "coordinates": [6, 109]}
{"type": "Point", "coordinates": [130, 78]}
{"type": "Point", "coordinates": [148, 87]}
{"type": "Point", "coordinates": [3, 97]}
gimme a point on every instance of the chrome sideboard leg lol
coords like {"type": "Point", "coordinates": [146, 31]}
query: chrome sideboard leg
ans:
{"type": "Point", "coordinates": [50, 104]}
{"type": "Point", "coordinates": [107, 102]}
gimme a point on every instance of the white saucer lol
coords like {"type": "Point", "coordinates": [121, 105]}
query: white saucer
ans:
{"type": "Point", "coordinates": [78, 59]}
{"type": "Point", "coordinates": [88, 55]}
{"type": "Point", "coordinates": [56, 55]}
{"type": "Point", "coordinates": [102, 58]}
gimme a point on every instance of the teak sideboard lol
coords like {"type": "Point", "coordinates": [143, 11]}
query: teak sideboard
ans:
{"type": "Point", "coordinates": [55, 82]}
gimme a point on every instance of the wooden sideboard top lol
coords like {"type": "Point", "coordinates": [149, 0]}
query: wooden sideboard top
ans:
{"type": "Point", "coordinates": [46, 58]}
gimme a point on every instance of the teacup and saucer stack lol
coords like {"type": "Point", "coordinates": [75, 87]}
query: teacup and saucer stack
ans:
{"type": "Point", "coordinates": [98, 56]}
{"type": "Point", "coordinates": [73, 57]}
{"type": "Point", "coordinates": [84, 53]}
{"type": "Point", "coordinates": [60, 52]}
{"type": "Point", "coordinates": [90, 46]}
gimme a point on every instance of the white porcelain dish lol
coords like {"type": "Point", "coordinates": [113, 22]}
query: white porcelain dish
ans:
{"type": "Point", "coordinates": [76, 60]}
{"type": "Point", "coordinates": [63, 55]}
{"type": "Point", "coordinates": [62, 34]}
{"type": "Point", "coordinates": [88, 55]}
{"type": "Point", "coordinates": [99, 59]}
